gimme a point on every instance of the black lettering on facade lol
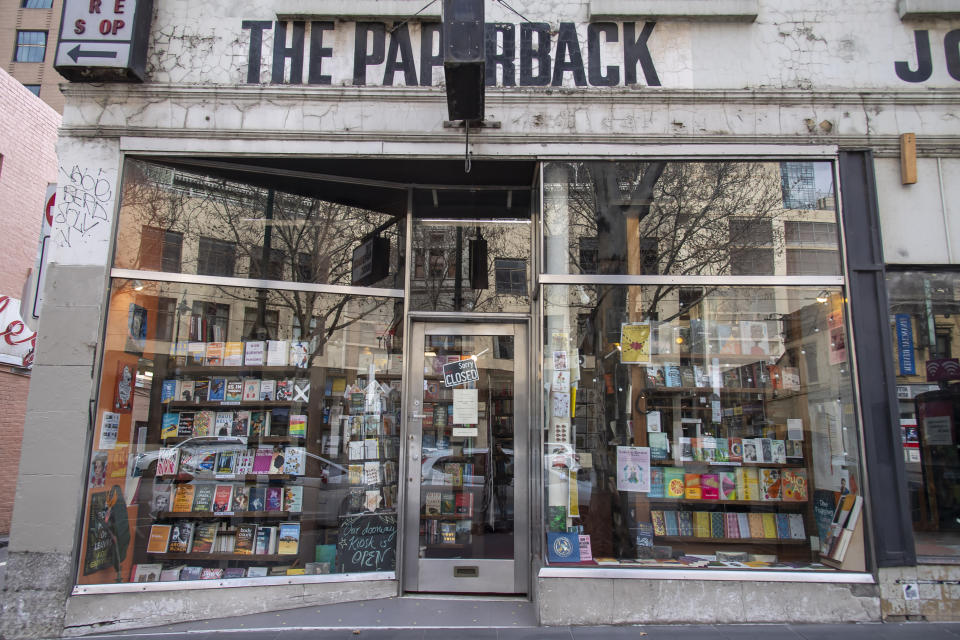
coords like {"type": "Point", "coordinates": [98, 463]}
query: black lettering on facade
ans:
{"type": "Point", "coordinates": [318, 52]}
{"type": "Point", "coordinates": [924, 60]}
{"type": "Point", "coordinates": [594, 46]}
{"type": "Point", "coordinates": [505, 58]}
{"type": "Point", "coordinates": [528, 54]}
{"type": "Point", "coordinates": [568, 45]}
{"type": "Point", "coordinates": [281, 52]}
{"type": "Point", "coordinates": [635, 50]}
{"type": "Point", "coordinates": [400, 58]}
{"type": "Point", "coordinates": [430, 33]}
{"type": "Point", "coordinates": [951, 47]}
{"type": "Point", "coordinates": [362, 59]}
{"type": "Point", "coordinates": [257, 27]}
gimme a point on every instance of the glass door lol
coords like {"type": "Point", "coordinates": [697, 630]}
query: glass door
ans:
{"type": "Point", "coordinates": [466, 522]}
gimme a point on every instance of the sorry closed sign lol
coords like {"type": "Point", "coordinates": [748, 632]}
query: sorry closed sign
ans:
{"type": "Point", "coordinates": [460, 372]}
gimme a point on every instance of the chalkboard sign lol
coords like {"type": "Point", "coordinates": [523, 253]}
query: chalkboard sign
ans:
{"type": "Point", "coordinates": [367, 542]}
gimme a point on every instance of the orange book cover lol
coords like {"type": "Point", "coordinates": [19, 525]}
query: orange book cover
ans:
{"type": "Point", "coordinates": [159, 538]}
{"type": "Point", "coordinates": [691, 483]}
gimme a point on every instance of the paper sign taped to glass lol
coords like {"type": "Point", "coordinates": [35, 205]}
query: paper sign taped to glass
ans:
{"type": "Point", "coordinates": [635, 343]}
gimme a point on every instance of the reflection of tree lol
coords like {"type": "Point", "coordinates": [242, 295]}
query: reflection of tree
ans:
{"type": "Point", "coordinates": [677, 218]}
{"type": "Point", "coordinates": [267, 235]}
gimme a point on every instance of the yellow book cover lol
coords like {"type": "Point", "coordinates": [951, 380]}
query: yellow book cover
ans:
{"type": "Point", "coordinates": [183, 500]}
{"type": "Point", "coordinates": [673, 480]}
{"type": "Point", "coordinates": [769, 525]}
{"type": "Point", "coordinates": [691, 483]}
{"type": "Point", "coordinates": [756, 525]}
{"type": "Point", "coordinates": [751, 485]}
{"type": "Point", "coordinates": [701, 524]}
{"type": "Point", "coordinates": [233, 354]}
{"type": "Point", "coordinates": [159, 538]}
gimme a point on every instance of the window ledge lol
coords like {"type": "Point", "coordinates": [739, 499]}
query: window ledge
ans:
{"type": "Point", "coordinates": [917, 9]}
{"type": "Point", "coordinates": [701, 10]}
{"type": "Point", "coordinates": [379, 10]}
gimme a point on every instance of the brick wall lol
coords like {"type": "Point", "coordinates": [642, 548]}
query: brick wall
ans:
{"type": "Point", "coordinates": [28, 134]}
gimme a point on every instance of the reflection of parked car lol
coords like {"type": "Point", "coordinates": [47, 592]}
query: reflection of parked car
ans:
{"type": "Point", "coordinates": [333, 495]}
{"type": "Point", "coordinates": [147, 460]}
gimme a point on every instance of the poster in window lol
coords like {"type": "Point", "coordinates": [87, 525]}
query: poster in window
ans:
{"type": "Point", "coordinates": [635, 343]}
{"type": "Point", "coordinates": [633, 469]}
{"type": "Point", "coordinates": [136, 329]}
{"type": "Point", "coordinates": [123, 396]}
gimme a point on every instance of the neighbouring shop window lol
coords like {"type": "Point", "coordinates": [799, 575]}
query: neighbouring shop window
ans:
{"type": "Point", "coordinates": [925, 322]}
{"type": "Point", "coordinates": [240, 432]}
{"type": "Point", "coordinates": [709, 438]}
{"type": "Point", "coordinates": [687, 218]}
{"type": "Point", "coordinates": [31, 46]}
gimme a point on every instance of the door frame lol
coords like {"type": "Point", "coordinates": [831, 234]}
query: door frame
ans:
{"type": "Point", "coordinates": [411, 564]}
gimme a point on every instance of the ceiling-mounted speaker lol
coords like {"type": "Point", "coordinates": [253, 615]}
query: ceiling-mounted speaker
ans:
{"type": "Point", "coordinates": [463, 58]}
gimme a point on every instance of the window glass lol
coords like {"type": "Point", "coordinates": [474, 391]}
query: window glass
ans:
{"type": "Point", "coordinates": [217, 455]}
{"type": "Point", "coordinates": [36, 4]}
{"type": "Point", "coordinates": [685, 218]}
{"type": "Point", "coordinates": [700, 427]}
{"type": "Point", "coordinates": [478, 266]}
{"type": "Point", "coordinates": [224, 227]}
{"type": "Point", "coordinates": [31, 46]}
{"type": "Point", "coordinates": [924, 312]}
{"type": "Point", "coordinates": [34, 89]}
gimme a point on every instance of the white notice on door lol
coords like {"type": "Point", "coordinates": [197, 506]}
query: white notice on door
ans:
{"type": "Point", "coordinates": [465, 406]}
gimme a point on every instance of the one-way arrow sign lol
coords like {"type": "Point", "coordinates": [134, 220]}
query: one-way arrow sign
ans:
{"type": "Point", "coordinates": [76, 53]}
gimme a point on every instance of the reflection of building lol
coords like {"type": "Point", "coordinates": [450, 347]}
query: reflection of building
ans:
{"type": "Point", "coordinates": [696, 212]}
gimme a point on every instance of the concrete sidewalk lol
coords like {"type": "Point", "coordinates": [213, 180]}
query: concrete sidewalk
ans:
{"type": "Point", "coordinates": [873, 631]}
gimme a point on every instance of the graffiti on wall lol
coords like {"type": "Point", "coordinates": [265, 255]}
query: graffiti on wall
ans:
{"type": "Point", "coordinates": [87, 196]}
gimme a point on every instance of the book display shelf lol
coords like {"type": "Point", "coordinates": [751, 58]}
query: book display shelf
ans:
{"type": "Point", "coordinates": [729, 445]}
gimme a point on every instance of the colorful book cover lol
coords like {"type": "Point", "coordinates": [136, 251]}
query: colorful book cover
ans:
{"type": "Point", "coordinates": [432, 505]}
{"type": "Point", "coordinates": [223, 423]}
{"type": "Point", "coordinates": [285, 390]}
{"type": "Point", "coordinates": [234, 390]}
{"type": "Point", "coordinates": [685, 522]}
{"type": "Point", "coordinates": [299, 354]}
{"type": "Point", "coordinates": [253, 353]}
{"type": "Point", "coordinates": [672, 523]}
{"type": "Point", "coordinates": [701, 524]}
{"type": "Point", "coordinates": [223, 498]}
{"type": "Point", "coordinates": [170, 426]}
{"type": "Point", "coordinates": [201, 390]}
{"type": "Point", "coordinates": [251, 389]}
{"type": "Point", "coordinates": [731, 527]}
{"type": "Point", "coordinates": [261, 544]}
{"type": "Point", "coordinates": [226, 462]}
{"type": "Point", "coordinates": [268, 390]}
{"type": "Point", "coordinates": [276, 462]}
{"type": "Point", "coordinates": [241, 424]}
{"type": "Point", "coordinates": [262, 460]}
{"type": "Point", "coordinates": [167, 460]}
{"type": "Point", "coordinates": [769, 525]}
{"type": "Point", "coordinates": [672, 372]}
{"type": "Point", "coordinates": [735, 446]}
{"type": "Point", "coordinates": [659, 524]}
{"type": "Point", "coordinates": [274, 499]}
{"type": "Point", "coordinates": [464, 504]}
{"type": "Point", "coordinates": [217, 390]}
{"type": "Point", "coordinates": [710, 486]}
{"type": "Point", "coordinates": [298, 425]}
{"type": "Point", "coordinates": [190, 573]}
{"type": "Point", "coordinates": [233, 354]}
{"type": "Point", "coordinates": [722, 452]}
{"type": "Point", "coordinates": [295, 461]}
{"type": "Point", "coordinates": [289, 536]}
{"type": "Point", "coordinates": [214, 356]}
{"type": "Point", "coordinates": [257, 500]}
{"type": "Point", "coordinates": [244, 539]}
{"type": "Point", "coordinates": [673, 478]}
{"type": "Point", "coordinates": [783, 526]}
{"type": "Point", "coordinates": [168, 391]}
{"type": "Point", "coordinates": [196, 351]}
{"type": "Point", "coordinates": [203, 497]}
{"type": "Point", "coordinates": [278, 353]}
{"type": "Point", "coordinates": [241, 500]}
{"type": "Point", "coordinates": [203, 423]}
{"type": "Point", "coordinates": [211, 573]}
{"type": "Point", "coordinates": [756, 525]}
{"type": "Point", "coordinates": [728, 485]}
{"type": "Point", "coordinates": [244, 463]}
{"type": "Point", "coordinates": [659, 445]}
{"type": "Point", "coordinates": [751, 485]}
{"type": "Point", "coordinates": [181, 537]}
{"type": "Point", "coordinates": [563, 547]}
{"type": "Point", "coordinates": [794, 484]}
{"type": "Point", "coordinates": [204, 537]}
{"type": "Point", "coordinates": [716, 525]}
{"type": "Point", "coordinates": [185, 426]}
{"type": "Point", "coordinates": [770, 484]}
{"type": "Point", "coordinates": [691, 487]}
{"type": "Point", "coordinates": [293, 498]}
{"type": "Point", "coordinates": [159, 538]}
{"type": "Point", "coordinates": [657, 486]}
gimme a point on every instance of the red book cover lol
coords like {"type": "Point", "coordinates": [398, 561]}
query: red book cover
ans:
{"type": "Point", "coordinates": [222, 498]}
{"type": "Point", "coordinates": [710, 486]}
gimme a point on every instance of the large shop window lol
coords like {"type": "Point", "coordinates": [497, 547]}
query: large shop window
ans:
{"type": "Point", "coordinates": [704, 421]}
{"type": "Point", "coordinates": [242, 432]}
{"type": "Point", "coordinates": [924, 313]}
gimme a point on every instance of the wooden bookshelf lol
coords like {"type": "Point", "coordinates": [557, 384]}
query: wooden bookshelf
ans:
{"type": "Point", "coordinates": [249, 557]}
{"type": "Point", "coordinates": [731, 540]}
{"type": "Point", "coordinates": [204, 515]}
{"type": "Point", "coordinates": [747, 503]}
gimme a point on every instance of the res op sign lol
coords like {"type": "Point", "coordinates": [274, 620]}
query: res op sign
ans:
{"type": "Point", "coordinates": [104, 40]}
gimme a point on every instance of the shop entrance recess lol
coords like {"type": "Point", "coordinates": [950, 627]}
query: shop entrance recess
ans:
{"type": "Point", "coordinates": [467, 511]}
